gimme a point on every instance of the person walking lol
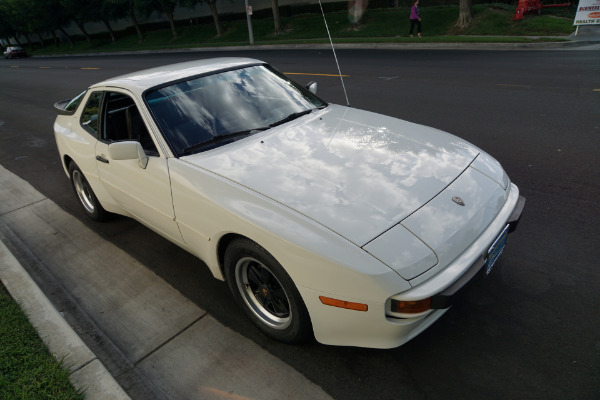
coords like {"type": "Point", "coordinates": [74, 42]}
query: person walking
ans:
{"type": "Point", "coordinates": [415, 18]}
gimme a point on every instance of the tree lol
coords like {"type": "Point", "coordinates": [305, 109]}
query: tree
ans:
{"type": "Point", "coordinates": [6, 29]}
{"type": "Point", "coordinates": [108, 11]}
{"type": "Point", "coordinates": [79, 11]}
{"type": "Point", "coordinates": [16, 19]}
{"type": "Point", "coordinates": [166, 7]}
{"type": "Point", "coordinates": [465, 15]}
{"type": "Point", "coordinates": [129, 8]}
{"type": "Point", "coordinates": [276, 20]}
{"type": "Point", "coordinates": [46, 16]}
{"type": "Point", "coordinates": [213, 10]}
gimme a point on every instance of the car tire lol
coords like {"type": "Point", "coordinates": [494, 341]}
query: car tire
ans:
{"type": "Point", "coordinates": [84, 193]}
{"type": "Point", "coordinates": [267, 294]}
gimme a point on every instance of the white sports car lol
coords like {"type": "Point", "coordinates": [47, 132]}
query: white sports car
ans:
{"type": "Point", "coordinates": [354, 227]}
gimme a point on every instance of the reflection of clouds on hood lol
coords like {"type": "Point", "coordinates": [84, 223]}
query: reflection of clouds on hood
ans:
{"type": "Point", "coordinates": [356, 179]}
{"type": "Point", "coordinates": [442, 224]}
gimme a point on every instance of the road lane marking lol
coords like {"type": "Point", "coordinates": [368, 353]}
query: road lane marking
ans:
{"type": "Point", "coordinates": [509, 85]}
{"type": "Point", "coordinates": [89, 68]}
{"type": "Point", "coordinates": [15, 66]}
{"type": "Point", "coordinates": [596, 90]}
{"type": "Point", "coordinates": [302, 73]}
{"type": "Point", "coordinates": [45, 67]}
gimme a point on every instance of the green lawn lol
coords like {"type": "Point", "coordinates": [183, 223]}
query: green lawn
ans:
{"type": "Point", "coordinates": [377, 25]}
{"type": "Point", "coordinates": [27, 369]}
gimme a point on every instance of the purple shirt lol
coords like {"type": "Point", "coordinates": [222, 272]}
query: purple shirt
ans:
{"type": "Point", "coordinates": [414, 12]}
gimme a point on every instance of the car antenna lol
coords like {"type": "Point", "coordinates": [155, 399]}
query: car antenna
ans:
{"type": "Point", "coordinates": [334, 56]}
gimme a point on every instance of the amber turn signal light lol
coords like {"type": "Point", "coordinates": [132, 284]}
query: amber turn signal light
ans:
{"type": "Point", "coordinates": [411, 307]}
{"type": "Point", "coordinates": [343, 304]}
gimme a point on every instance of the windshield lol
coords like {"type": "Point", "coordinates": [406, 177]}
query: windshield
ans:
{"type": "Point", "coordinates": [226, 105]}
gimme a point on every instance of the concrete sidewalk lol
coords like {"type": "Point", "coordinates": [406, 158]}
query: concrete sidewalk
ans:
{"type": "Point", "coordinates": [171, 347]}
{"type": "Point", "coordinates": [87, 372]}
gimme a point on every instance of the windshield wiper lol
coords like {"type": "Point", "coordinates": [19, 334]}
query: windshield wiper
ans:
{"type": "Point", "coordinates": [291, 117]}
{"type": "Point", "coordinates": [215, 140]}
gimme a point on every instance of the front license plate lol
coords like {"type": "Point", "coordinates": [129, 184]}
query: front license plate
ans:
{"type": "Point", "coordinates": [496, 249]}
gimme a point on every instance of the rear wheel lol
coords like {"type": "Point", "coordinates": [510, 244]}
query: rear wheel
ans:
{"type": "Point", "coordinates": [265, 291]}
{"type": "Point", "coordinates": [88, 200]}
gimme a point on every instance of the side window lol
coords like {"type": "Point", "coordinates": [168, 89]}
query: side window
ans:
{"type": "Point", "coordinates": [123, 121]}
{"type": "Point", "coordinates": [74, 103]}
{"type": "Point", "coordinates": [89, 117]}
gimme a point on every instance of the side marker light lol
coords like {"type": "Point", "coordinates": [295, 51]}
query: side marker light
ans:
{"type": "Point", "coordinates": [343, 304]}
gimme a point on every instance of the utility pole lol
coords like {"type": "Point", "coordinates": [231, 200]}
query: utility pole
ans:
{"type": "Point", "coordinates": [248, 14]}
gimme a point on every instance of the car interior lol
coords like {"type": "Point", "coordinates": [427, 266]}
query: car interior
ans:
{"type": "Point", "coordinates": [124, 122]}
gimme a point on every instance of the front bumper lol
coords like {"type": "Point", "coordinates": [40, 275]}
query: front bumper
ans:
{"type": "Point", "coordinates": [376, 328]}
{"type": "Point", "coordinates": [446, 298]}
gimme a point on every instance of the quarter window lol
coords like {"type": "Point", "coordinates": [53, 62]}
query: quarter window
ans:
{"type": "Point", "coordinates": [89, 117]}
{"type": "Point", "coordinates": [74, 103]}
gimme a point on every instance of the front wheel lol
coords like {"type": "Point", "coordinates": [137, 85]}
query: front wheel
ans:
{"type": "Point", "coordinates": [265, 291]}
{"type": "Point", "coordinates": [87, 199]}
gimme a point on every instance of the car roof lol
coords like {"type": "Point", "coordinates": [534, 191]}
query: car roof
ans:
{"type": "Point", "coordinates": [140, 81]}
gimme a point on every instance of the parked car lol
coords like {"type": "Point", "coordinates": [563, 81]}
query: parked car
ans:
{"type": "Point", "coordinates": [325, 220]}
{"type": "Point", "coordinates": [14, 52]}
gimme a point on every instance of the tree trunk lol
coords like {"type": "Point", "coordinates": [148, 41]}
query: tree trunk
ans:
{"type": "Point", "coordinates": [137, 26]}
{"type": "Point", "coordinates": [465, 15]}
{"type": "Point", "coordinates": [54, 38]}
{"type": "Point", "coordinates": [65, 34]}
{"type": "Point", "coordinates": [172, 23]}
{"type": "Point", "coordinates": [28, 40]}
{"type": "Point", "coordinates": [275, 7]}
{"type": "Point", "coordinates": [110, 31]}
{"type": "Point", "coordinates": [41, 40]}
{"type": "Point", "coordinates": [396, 5]}
{"type": "Point", "coordinates": [215, 15]}
{"type": "Point", "coordinates": [82, 29]}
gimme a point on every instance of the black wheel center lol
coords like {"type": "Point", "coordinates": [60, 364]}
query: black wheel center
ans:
{"type": "Point", "coordinates": [265, 291]}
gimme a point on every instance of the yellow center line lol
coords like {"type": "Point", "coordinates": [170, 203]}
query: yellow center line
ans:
{"type": "Point", "coordinates": [302, 73]}
{"type": "Point", "coordinates": [89, 68]}
{"type": "Point", "coordinates": [596, 90]}
{"type": "Point", "coordinates": [509, 85]}
{"type": "Point", "coordinates": [15, 66]}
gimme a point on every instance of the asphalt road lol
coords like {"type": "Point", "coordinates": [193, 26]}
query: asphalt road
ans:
{"type": "Point", "coordinates": [529, 331]}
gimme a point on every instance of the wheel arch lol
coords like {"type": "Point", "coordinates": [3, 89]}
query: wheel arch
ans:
{"type": "Point", "coordinates": [67, 160]}
{"type": "Point", "coordinates": [222, 246]}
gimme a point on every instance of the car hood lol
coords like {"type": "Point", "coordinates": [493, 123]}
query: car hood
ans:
{"type": "Point", "coordinates": [355, 172]}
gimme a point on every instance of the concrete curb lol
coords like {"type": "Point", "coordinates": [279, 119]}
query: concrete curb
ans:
{"type": "Point", "coordinates": [570, 43]}
{"type": "Point", "coordinates": [88, 374]}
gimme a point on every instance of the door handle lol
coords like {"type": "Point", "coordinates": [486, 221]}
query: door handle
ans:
{"type": "Point", "coordinates": [102, 159]}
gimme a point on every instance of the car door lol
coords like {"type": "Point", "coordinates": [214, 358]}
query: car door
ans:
{"type": "Point", "coordinates": [145, 193]}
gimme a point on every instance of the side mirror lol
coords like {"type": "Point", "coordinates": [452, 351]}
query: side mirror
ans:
{"type": "Point", "coordinates": [128, 150]}
{"type": "Point", "coordinates": [312, 87]}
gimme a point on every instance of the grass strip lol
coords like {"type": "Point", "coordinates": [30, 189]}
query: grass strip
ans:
{"type": "Point", "coordinates": [492, 24]}
{"type": "Point", "coordinates": [27, 369]}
